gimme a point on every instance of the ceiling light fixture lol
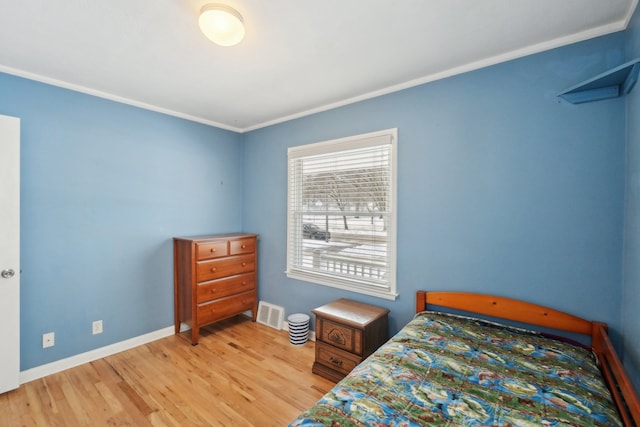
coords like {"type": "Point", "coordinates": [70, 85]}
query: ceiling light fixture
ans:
{"type": "Point", "coordinates": [221, 24]}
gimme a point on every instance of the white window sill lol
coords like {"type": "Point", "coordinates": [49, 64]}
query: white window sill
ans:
{"type": "Point", "coordinates": [325, 281]}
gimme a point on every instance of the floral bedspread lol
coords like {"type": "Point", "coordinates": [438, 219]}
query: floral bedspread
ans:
{"type": "Point", "coordinates": [450, 370]}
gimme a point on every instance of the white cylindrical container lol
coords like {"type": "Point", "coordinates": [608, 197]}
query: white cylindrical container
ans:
{"type": "Point", "coordinates": [298, 328]}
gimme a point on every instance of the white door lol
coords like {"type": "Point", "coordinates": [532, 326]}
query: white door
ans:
{"type": "Point", "coordinates": [9, 253]}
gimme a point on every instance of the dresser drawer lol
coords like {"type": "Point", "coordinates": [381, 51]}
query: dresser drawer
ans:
{"type": "Point", "coordinates": [336, 359]}
{"type": "Point", "coordinates": [226, 307]}
{"type": "Point", "coordinates": [242, 246]}
{"type": "Point", "coordinates": [340, 336]}
{"type": "Point", "coordinates": [211, 250]}
{"type": "Point", "coordinates": [217, 268]}
{"type": "Point", "coordinates": [224, 287]}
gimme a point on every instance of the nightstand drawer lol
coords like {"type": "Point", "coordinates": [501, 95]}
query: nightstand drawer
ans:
{"type": "Point", "coordinates": [340, 336]}
{"type": "Point", "coordinates": [338, 360]}
{"type": "Point", "coordinates": [224, 287]}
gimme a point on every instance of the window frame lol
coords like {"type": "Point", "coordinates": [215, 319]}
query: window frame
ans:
{"type": "Point", "coordinates": [389, 290]}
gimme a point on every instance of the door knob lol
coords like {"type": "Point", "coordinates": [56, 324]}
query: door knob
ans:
{"type": "Point", "coordinates": [7, 274]}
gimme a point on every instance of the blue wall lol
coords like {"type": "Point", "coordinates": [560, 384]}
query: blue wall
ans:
{"type": "Point", "coordinates": [104, 188]}
{"type": "Point", "coordinates": [503, 188]}
{"type": "Point", "coordinates": [631, 284]}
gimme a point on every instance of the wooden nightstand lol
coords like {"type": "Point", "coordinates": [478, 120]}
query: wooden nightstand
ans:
{"type": "Point", "coordinates": [346, 333]}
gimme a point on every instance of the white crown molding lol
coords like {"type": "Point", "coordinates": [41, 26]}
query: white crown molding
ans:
{"type": "Point", "coordinates": [112, 97]}
{"type": "Point", "coordinates": [508, 56]}
{"type": "Point", "coordinates": [518, 53]}
{"type": "Point", "coordinates": [630, 12]}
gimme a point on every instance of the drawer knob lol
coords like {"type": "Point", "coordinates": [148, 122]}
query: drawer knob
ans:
{"type": "Point", "coordinates": [337, 362]}
{"type": "Point", "coordinates": [244, 264]}
{"type": "Point", "coordinates": [213, 269]}
{"type": "Point", "coordinates": [243, 246]}
{"type": "Point", "coordinates": [244, 283]}
{"type": "Point", "coordinates": [213, 249]}
{"type": "Point", "coordinates": [213, 290]}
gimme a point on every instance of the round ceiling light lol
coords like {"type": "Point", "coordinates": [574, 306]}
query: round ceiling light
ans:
{"type": "Point", "coordinates": [221, 24]}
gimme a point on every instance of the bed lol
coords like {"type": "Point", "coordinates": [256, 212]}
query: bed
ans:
{"type": "Point", "coordinates": [447, 368]}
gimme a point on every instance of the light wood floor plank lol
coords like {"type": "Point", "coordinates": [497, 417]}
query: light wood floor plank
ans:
{"type": "Point", "coordinates": [240, 374]}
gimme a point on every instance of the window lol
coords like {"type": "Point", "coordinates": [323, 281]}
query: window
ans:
{"type": "Point", "coordinates": [341, 216]}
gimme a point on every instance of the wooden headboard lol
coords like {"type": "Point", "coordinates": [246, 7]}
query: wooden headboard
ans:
{"type": "Point", "coordinates": [507, 308]}
{"type": "Point", "coordinates": [520, 311]}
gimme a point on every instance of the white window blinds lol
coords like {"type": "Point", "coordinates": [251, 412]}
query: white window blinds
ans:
{"type": "Point", "coordinates": [341, 213]}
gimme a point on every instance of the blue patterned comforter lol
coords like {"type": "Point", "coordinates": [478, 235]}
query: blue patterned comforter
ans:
{"type": "Point", "coordinates": [449, 370]}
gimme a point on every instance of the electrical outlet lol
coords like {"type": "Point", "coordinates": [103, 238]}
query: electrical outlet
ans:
{"type": "Point", "coordinates": [48, 340]}
{"type": "Point", "coordinates": [97, 327]}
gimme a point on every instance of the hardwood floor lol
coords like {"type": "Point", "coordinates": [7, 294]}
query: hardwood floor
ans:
{"type": "Point", "coordinates": [240, 374]}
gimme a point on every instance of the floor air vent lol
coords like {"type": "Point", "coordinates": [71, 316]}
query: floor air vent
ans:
{"type": "Point", "coordinates": [270, 315]}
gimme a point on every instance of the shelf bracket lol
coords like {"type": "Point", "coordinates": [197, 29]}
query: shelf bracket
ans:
{"type": "Point", "coordinates": [631, 80]}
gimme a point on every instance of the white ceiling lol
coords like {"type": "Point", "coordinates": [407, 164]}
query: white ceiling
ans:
{"type": "Point", "coordinates": [298, 56]}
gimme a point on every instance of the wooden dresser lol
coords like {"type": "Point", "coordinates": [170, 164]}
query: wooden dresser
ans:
{"type": "Point", "coordinates": [215, 277]}
{"type": "Point", "coordinates": [347, 332]}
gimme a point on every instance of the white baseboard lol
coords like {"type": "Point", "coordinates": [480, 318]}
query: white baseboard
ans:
{"type": "Point", "coordinates": [79, 359]}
